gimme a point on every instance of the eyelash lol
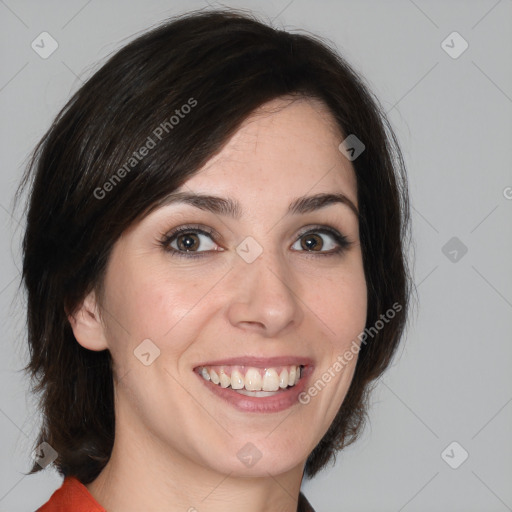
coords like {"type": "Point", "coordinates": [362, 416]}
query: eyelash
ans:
{"type": "Point", "coordinates": [341, 240]}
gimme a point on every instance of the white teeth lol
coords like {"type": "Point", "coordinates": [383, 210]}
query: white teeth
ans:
{"type": "Point", "coordinates": [270, 380]}
{"type": "Point", "coordinates": [291, 375]}
{"type": "Point", "coordinates": [237, 381]}
{"type": "Point", "coordinates": [225, 381]}
{"type": "Point", "coordinates": [283, 379]}
{"type": "Point", "coordinates": [214, 377]}
{"type": "Point", "coordinates": [253, 380]}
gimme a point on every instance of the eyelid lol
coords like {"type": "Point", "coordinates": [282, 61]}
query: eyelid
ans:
{"type": "Point", "coordinates": [200, 228]}
{"type": "Point", "coordinates": [319, 227]}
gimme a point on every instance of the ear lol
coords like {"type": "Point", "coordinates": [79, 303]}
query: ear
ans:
{"type": "Point", "coordinates": [87, 326]}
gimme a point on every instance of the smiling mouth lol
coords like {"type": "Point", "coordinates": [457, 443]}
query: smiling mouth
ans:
{"type": "Point", "coordinates": [252, 381]}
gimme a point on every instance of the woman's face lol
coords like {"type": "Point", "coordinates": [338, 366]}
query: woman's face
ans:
{"type": "Point", "coordinates": [239, 299]}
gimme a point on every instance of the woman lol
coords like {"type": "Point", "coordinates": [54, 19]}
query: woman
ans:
{"type": "Point", "coordinates": [215, 271]}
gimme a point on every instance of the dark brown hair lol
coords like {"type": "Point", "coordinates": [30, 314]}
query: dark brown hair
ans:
{"type": "Point", "coordinates": [223, 64]}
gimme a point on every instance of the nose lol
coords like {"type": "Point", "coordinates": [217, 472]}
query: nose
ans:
{"type": "Point", "coordinates": [266, 296]}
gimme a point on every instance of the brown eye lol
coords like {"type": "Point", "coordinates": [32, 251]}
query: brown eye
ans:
{"type": "Point", "coordinates": [322, 240]}
{"type": "Point", "coordinates": [188, 242]}
{"type": "Point", "coordinates": [312, 242]}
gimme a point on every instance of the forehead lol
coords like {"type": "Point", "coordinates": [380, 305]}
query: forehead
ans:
{"type": "Point", "coordinates": [286, 146]}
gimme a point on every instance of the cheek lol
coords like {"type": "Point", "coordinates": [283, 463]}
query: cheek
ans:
{"type": "Point", "coordinates": [150, 301]}
{"type": "Point", "coordinates": [341, 306]}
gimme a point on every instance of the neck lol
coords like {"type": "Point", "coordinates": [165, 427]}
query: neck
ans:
{"type": "Point", "coordinates": [143, 474]}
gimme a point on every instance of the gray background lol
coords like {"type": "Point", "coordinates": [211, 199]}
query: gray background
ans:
{"type": "Point", "coordinates": [452, 379]}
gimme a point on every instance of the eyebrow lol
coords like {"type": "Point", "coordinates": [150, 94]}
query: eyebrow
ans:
{"type": "Point", "coordinates": [232, 208]}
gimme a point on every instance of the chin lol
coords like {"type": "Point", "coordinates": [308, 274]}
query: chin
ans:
{"type": "Point", "coordinates": [259, 457]}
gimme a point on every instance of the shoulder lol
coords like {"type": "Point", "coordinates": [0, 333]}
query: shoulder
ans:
{"type": "Point", "coordinates": [71, 496]}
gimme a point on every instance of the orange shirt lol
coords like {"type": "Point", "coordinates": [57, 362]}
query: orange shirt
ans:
{"type": "Point", "coordinates": [72, 496]}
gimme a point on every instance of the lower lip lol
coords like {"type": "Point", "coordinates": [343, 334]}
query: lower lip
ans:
{"type": "Point", "coordinates": [279, 402]}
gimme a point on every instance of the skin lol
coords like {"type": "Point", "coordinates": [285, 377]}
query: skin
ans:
{"type": "Point", "coordinates": [176, 443]}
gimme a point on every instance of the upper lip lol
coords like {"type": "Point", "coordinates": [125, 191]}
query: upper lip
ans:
{"type": "Point", "coordinates": [260, 362]}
